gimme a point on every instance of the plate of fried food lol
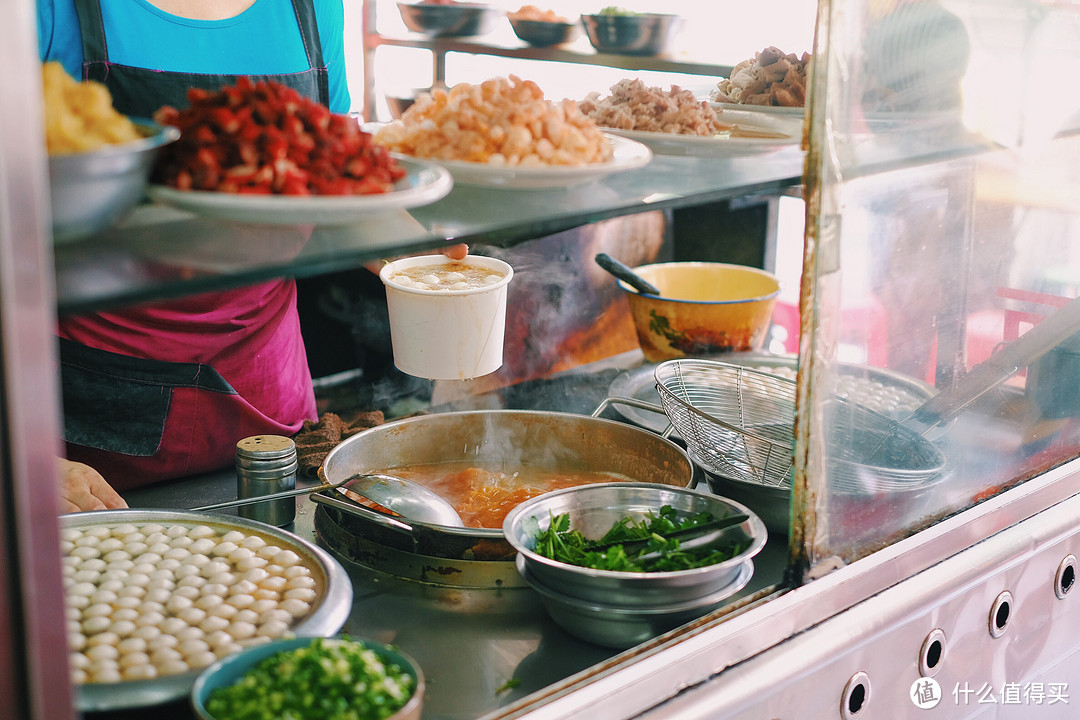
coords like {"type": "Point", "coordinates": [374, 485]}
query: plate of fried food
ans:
{"type": "Point", "coordinates": [503, 133]}
{"type": "Point", "coordinates": [674, 121]}
{"type": "Point", "coordinates": [305, 166]}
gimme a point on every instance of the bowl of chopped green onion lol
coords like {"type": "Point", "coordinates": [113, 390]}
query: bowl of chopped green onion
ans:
{"type": "Point", "coordinates": [308, 678]}
{"type": "Point", "coordinates": [632, 545]}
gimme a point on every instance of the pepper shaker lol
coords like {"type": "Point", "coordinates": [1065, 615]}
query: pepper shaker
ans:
{"type": "Point", "coordinates": [266, 464]}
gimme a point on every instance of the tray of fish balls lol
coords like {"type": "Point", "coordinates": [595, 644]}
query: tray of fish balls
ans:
{"type": "Point", "coordinates": [155, 596]}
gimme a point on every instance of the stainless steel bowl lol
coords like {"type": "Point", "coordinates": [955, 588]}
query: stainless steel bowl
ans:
{"type": "Point", "coordinates": [92, 190]}
{"type": "Point", "coordinates": [621, 627]}
{"type": "Point", "coordinates": [638, 34]}
{"type": "Point", "coordinates": [543, 33]}
{"type": "Point", "coordinates": [594, 509]}
{"type": "Point", "coordinates": [451, 20]}
{"type": "Point", "coordinates": [326, 617]}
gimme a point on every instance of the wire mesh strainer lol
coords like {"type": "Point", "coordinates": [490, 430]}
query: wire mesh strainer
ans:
{"type": "Point", "coordinates": [737, 422]}
{"type": "Point", "coordinates": [740, 423]}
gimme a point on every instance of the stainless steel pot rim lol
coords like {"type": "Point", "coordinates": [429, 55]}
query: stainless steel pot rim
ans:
{"type": "Point", "coordinates": [753, 526]}
{"type": "Point", "coordinates": [746, 572]}
{"type": "Point", "coordinates": [495, 533]}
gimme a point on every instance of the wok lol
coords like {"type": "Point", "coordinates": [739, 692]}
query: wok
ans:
{"type": "Point", "coordinates": [497, 441]}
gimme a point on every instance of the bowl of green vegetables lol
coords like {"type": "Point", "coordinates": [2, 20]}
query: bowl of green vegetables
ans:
{"type": "Point", "coordinates": [306, 678]}
{"type": "Point", "coordinates": [618, 563]}
{"type": "Point", "coordinates": [634, 543]}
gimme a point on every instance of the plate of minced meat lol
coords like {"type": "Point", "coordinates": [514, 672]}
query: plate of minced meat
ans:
{"type": "Point", "coordinates": [674, 121]}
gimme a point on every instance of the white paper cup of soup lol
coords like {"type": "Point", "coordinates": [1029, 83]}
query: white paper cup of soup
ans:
{"type": "Point", "coordinates": [447, 317]}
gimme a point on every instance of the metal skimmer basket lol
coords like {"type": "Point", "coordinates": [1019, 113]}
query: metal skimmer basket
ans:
{"type": "Point", "coordinates": [740, 423]}
{"type": "Point", "coordinates": [737, 422]}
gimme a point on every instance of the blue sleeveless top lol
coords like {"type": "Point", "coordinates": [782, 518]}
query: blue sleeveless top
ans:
{"type": "Point", "coordinates": [264, 39]}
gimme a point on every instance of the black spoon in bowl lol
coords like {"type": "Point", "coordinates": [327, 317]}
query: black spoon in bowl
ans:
{"type": "Point", "coordinates": [627, 275]}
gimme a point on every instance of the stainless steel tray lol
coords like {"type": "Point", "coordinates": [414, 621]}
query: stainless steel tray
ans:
{"type": "Point", "coordinates": [328, 614]}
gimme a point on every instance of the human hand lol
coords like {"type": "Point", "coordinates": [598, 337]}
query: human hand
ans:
{"type": "Point", "coordinates": [82, 488]}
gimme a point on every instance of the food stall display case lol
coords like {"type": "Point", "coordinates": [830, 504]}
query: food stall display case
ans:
{"type": "Point", "coordinates": [932, 491]}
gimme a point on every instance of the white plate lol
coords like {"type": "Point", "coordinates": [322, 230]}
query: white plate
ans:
{"type": "Point", "coordinates": [425, 183]}
{"type": "Point", "coordinates": [779, 110]}
{"type": "Point", "coordinates": [628, 155]}
{"type": "Point", "coordinates": [722, 145]}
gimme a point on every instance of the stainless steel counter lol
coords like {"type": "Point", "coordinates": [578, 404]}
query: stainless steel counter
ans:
{"type": "Point", "coordinates": [481, 649]}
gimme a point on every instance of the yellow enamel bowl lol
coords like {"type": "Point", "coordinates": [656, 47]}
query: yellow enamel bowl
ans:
{"type": "Point", "coordinates": [703, 309]}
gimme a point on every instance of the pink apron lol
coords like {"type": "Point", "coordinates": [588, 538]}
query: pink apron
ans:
{"type": "Point", "coordinates": [166, 390]}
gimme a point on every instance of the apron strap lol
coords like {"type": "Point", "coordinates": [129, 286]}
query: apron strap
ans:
{"type": "Point", "coordinates": [93, 33]}
{"type": "Point", "coordinates": [309, 34]}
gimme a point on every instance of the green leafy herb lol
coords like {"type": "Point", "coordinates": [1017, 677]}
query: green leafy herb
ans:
{"type": "Point", "coordinates": [330, 679]}
{"type": "Point", "coordinates": [632, 538]}
{"type": "Point", "coordinates": [508, 685]}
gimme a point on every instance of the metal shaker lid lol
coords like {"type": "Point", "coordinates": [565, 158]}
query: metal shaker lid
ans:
{"type": "Point", "coordinates": [265, 447]}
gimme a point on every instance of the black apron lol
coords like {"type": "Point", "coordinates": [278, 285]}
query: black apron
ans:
{"type": "Point", "coordinates": [139, 92]}
{"type": "Point", "coordinates": [117, 406]}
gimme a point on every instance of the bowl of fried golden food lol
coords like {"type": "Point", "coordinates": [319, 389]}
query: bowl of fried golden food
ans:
{"type": "Point", "coordinates": [626, 32]}
{"type": "Point", "coordinates": [305, 678]}
{"type": "Point", "coordinates": [99, 159]}
{"type": "Point", "coordinates": [618, 563]}
{"type": "Point", "coordinates": [448, 18]}
{"type": "Point", "coordinates": [543, 28]}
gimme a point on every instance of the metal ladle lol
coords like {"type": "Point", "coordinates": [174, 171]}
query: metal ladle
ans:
{"type": "Point", "coordinates": [627, 275]}
{"type": "Point", "coordinates": [406, 498]}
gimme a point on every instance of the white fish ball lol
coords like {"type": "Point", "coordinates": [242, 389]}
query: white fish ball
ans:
{"type": "Point", "coordinates": [191, 632]}
{"type": "Point", "coordinates": [242, 587]}
{"type": "Point", "coordinates": [246, 616]}
{"type": "Point", "coordinates": [134, 658]}
{"type": "Point", "coordinates": [165, 654]}
{"type": "Point", "coordinates": [256, 575]}
{"type": "Point", "coordinates": [202, 546]}
{"type": "Point", "coordinates": [103, 651]}
{"type": "Point", "coordinates": [268, 551]}
{"type": "Point", "coordinates": [214, 567]}
{"type": "Point", "coordinates": [176, 531]}
{"type": "Point", "coordinates": [241, 553]}
{"type": "Point", "coordinates": [77, 601]}
{"type": "Point", "coordinates": [295, 606]}
{"type": "Point", "coordinates": [180, 543]}
{"type": "Point", "coordinates": [300, 582]}
{"type": "Point", "coordinates": [213, 623]}
{"type": "Point", "coordinates": [139, 672]}
{"type": "Point", "coordinates": [132, 644]}
{"type": "Point", "coordinates": [164, 640]}
{"type": "Point", "coordinates": [178, 603]}
{"type": "Point", "coordinates": [98, 610]}
{"type": "Point", "coordinates": [151, 558]}
{"type": "Point", "coordinates": [176, 553]}
{"type": "Point", "coordinates": [131, 548]}
{"type": "Point", "coordinates": [173, 625]}
{"type": "Point", "coordinates": [110, 544]}
{"type": "Point", "coordinates": [307, 594]}
{"type": "Point", "coordinates": [123, 628]}
{"type": "Point", "coordinates": [266, 594]}
{"type": "Point", "coordinates": [87, 541]}
{"type": "Point", "coordinates": [286, 558]}
{"type": "Point", "coordinates": [193, 646]}
{"type": "Point", "coordinates": [274, 582]}
{"type": "Point", "coordinates": [93, 564]}
{"type": "Point", "coordinates": [223, 549]}
{"type": "Point", "coordinates": [224, 579]}
{"type": "Point", "coordinates": [170, 565]}
{"type": "Point", "coordinates": [233, 536]}
{"type": "Point", "coordinates": [195, 581]}
{"type": "Point", "coordinates": [241, 600]}
{"type": "Point", "coordinates": [222, 610]}
{"type": "Point", "coordinates": [251, 563]}
{"type": "Point", "coordinates": [104, 675]}
{"type": "Point", "coordinates": [240, 630]}
{"type": "Point", "coordinates": [261, 606]}
{"type": "Point", "coordinates": [207, 602]}
{"type": "Point", "coordinates": [150, 528]}
{"type": "Point", "coordinates": [273, 628]}
{"type": "Point", "coordinates": [76, 640]}
{"type": "Point", "coordinates": [228, 649]}
{"type": "Point", "coordinates": [78, 660]}
{"type": "Point", "coordinates": [201, 659]}
{"type": "Point", "coordinates": [124, 613]}
{"type": "Point", "coordinates": [297, 571]}
{"type": "Point", "coordinates": [136, 589]}
{"type": "Point", "coordinates": [103, 638]}
{"type": "Point", "coordinates": [122, 565]}
{"type": "Point", "coordinates": [128, 602]}
{"type": "Point", "coordinates": [71, 534]}
{"type": "Point", "coordinates": [123, 530]}
{"type": "Point", "coordinates": [157, 595]}
{"type": "Point", "coordinates": [150, 618]}
{"type": "Point", "coordinates": [192, 615]}
{"type": "Point", "coordinates": [217, 638]}
{"type": "Point", "coordinates": [187, 591]}
{"type": "Point", "coordinates": [103, 597]}
{"type": "Point", "coordinates": [202, 531]}
{"type": "Point", "coordinates": [100, 531]}
{"type": "Point", "coordinates": [85, 553]}
{"type": "Point", "coordinates": [253, 542]}
{"type": "Point", "coordinates": [147, 632]}
{"type": "Point", "coordinates": [173, 667]}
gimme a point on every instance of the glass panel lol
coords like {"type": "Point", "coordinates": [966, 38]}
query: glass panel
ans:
{"type": "Point", "coordinates": [946, 172]}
